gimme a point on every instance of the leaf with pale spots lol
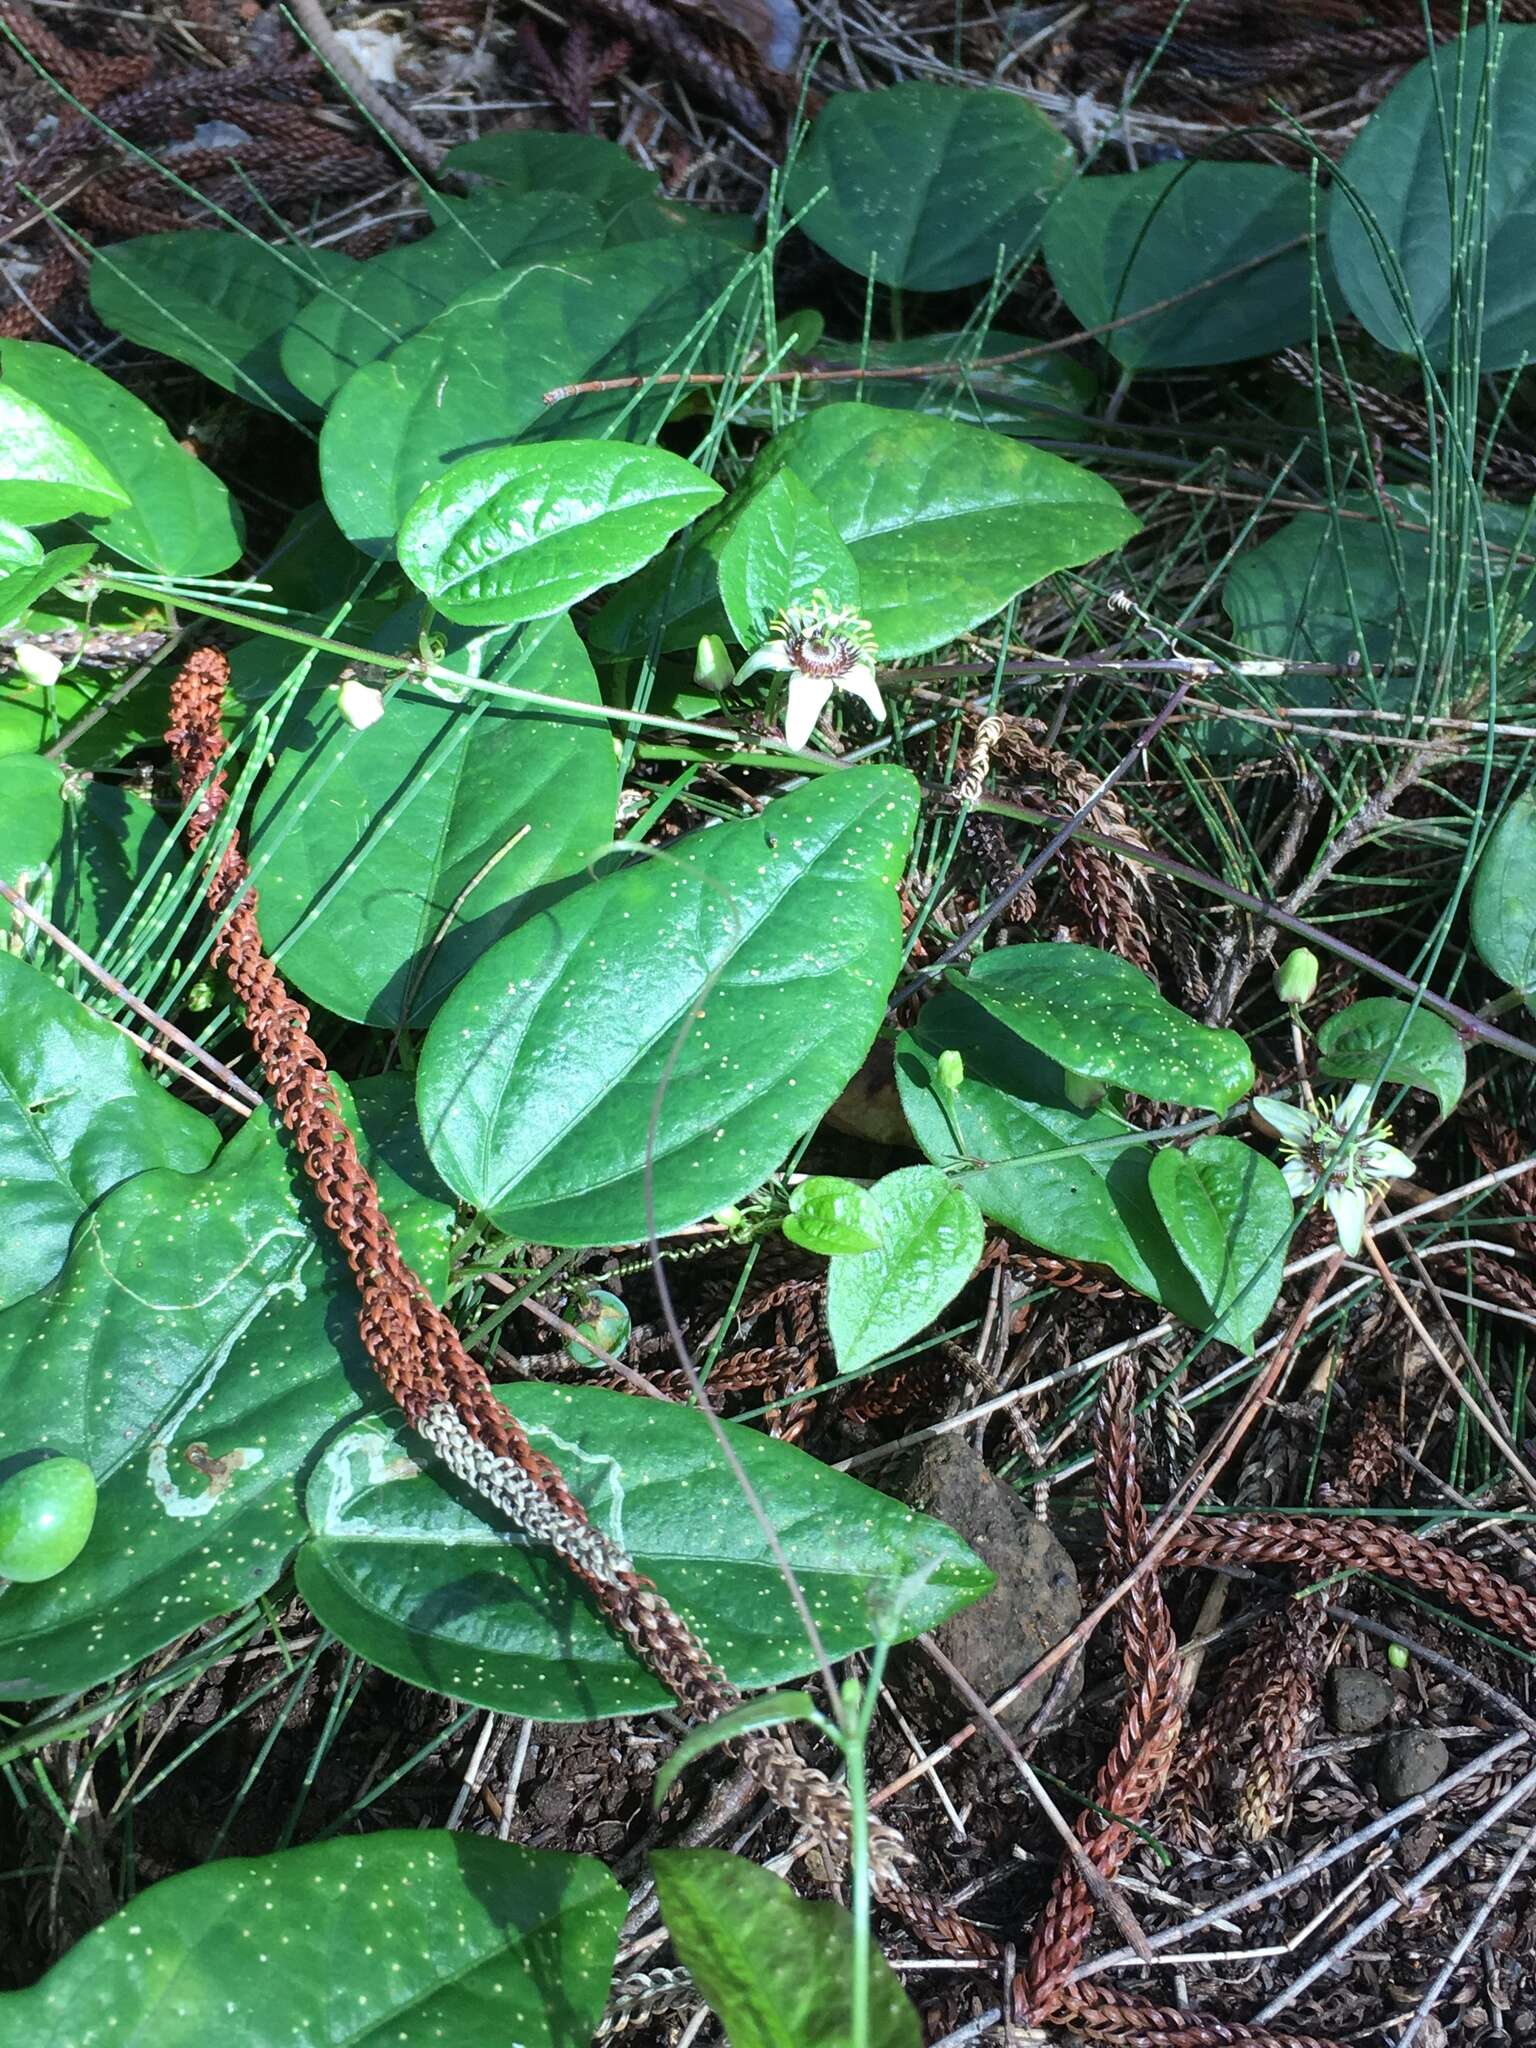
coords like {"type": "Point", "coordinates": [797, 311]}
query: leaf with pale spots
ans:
{"type": "Point", "coordinates": [403, 1937]}
{"type": "Point", "coordinates": [651, 1046]}
{"type": "Point", "coordinates": [426, 1579]}
{"type": "Point", "coordinates": [78, 1114]}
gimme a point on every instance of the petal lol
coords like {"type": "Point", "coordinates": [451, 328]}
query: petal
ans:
{"type": "Point", "coordinates": [1352, 1107]}
{"type": "Point", "coordinates": [1384, 1162]}
{"type": "Point", "coordinates": [1346, 1205]}
{"type": "Point", "coordinates": [860, 682]}
{"type": "Point", "coordinates": [1298, 1177]}
{"type": "Point", "coordinates": [1283, 1118]}
{"type": "Point", "coordinates": [775, 655]}
{"type": "Point", "coordinates": [807, 700]}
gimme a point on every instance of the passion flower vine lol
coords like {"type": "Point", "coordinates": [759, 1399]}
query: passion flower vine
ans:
{"type": "Point", "coordinates": [821, 648]}
{"type": "Point", "coordinates": [1329, 1146]}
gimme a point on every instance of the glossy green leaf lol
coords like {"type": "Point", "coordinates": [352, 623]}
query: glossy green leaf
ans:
{"type": "Point", "coordinates": [1230, 1215]}
{"type": "Point", "coordinates": [80, 848]}
{"type": "Point", "coordinates": [367, 844]}
{"type": "Point", "coordinates": [78, 1114]}
{"type": "Point", "coordinates": [518, 533]}
{"type": "Point", "coordinates": [19, 549]}
{"type": "Point", "coordinates": [23, 587]}
{"type": "Point", "coordinates": [405, 1939]}
{"type": "Point", "coordinates": [531, 161]}
{"type": "Point", "coordinates": [205, 1511]}
{"type": "Point", "coordinates": [1041, 400]}
{"type": "Point", "coordinates": [180, 520]}
{"type": "Point", "coordinates": [429, 1582]}
{"type": "Point", "coordinates": [833, 1217]}
{"type": "Point", "coordinates": [932, 1241]}
{"type": "Point", "coordinates": [928, 186]}
{"type": "Point", "coordinates": [1398, 170]}
{"type": "Point", "coordinates": [1098, 1015]}
{"type": "Point", "coordinates": [1298, 594]}
{"type": "Point", "coordinates": [1381, 1039]}
{"type": "Point", "coordinates": [652, 1045]}
{"type": "Point", "coordinates": [781, 550]}
{"type": "Point", "coordinates": [217, 302]}
{"type": "Point", "coordinates": [46, 470]}
{"type": "Point", "coordinates": [1503, 903]}
{"type": "Point", "coordinates": [392, 296]}
{"type": "Point", "coordinates": [1072, 1181]}
{"type": "Point", "coordinates": [776, 1970]}
{"type": "Point", "coordinates": [475, 378]}
{"type": "Point", "coordinates": [1116, 245]}
{"type": "Point", "coordinates": [768, 1710]}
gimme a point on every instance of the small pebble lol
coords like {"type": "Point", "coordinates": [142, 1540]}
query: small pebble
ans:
{"type": "Point", "coordinates": [1409, 1762]}
{"type": "Point", "coordinates": [1358, 1701]}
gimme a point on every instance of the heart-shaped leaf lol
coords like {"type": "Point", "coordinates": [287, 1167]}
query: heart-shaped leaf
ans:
{"type": "Point", "coordinates": [531, 161]}
{"type": "Point", "coordinates": [388, 859]}
{"type": "Point", "coordinates": [653, 1044]}
{"type": "Point", "coordinates": [366, 1942]}
{"type": "Point", "coordinates": [391, 297]}
{"type": "Point", "coordinates": [80, 848]}
{"type": "Point", "coordinates": [782, 549]}
{"type": "Point", "coordinates": [475, 378]}
{"type": "Point", "coordinates": [518, 533]}
{"type": "Point", "coordinates": [927, 186]}
{"type": "Point", "coordinates": [1230, 1216]}
{"type": "Point", "coordinates": [218, 302]}
{"type": "Point", "coordinates": [1503, 906]}
{"type": "Point", "coordinates": [181, 520]}
{"type": "Point", "coordinates": [22, 588]}
{"type": "Point", "coordinates": [777, 1970]}
{"type": "Point", "coordinates": [1116, 245]}
{"type": "Point", "coordinates": [429, 1582]}
{"type": "Point", "coordinates": [1072, 1181]}
{"type": "Point", "coordinates": [78, 1114]}
{"type": "Point", "coordinates": [933, 1234]}
{"type": "Point", "coordinates": [1456, 124]}
{"type": "Point", "coordinates": [46, 470]}
{"type": "Point", "coordinates": [1382, 1039]}
{"type": "Point", "coordinates": [1041, 400]}
{"type": "Point", "coordinates": [1099, 1016]}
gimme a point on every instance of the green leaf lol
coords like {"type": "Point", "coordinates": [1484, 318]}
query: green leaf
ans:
{"type": "Point", "coordinates": [367, 844]}
{"type": "Point", "coordinates": [19, 549]}
{"type": "Point", "coordinates": [652, 1045]}
{"type": "Point", "coordinates": [366, 1942]}
{"type": "Point", "coordinates": [933, 1234]}
{"type": "Point", "coordinates": [770, 1710]}
{"type": "Point", "coordinates": [180, 519]}
{"type": "Point", "coordinates": [776, 1970]}
{"type": "Point", "coordinates": [428, 1581]}
{"type": "Point", "coordinates": [518, 533]}
{"type": "Point", "coordinates": [81, 847]}
{"type": "Point", "coordinates": [392, 296]}
{"type": "Point", "coordinates": [20, 590]}
{"type": "Point", "coordinates": [1414, 151]}
{"type": "Point", "coordinates": [1381, 1039]}
{"type": "Point", "coordinates": [46, 470]}
{"type": "Point", "coordinates": [1115, 245]}
{"type": "Point", "coordinates": [381, 1111]}
{"type": "Point", "coordinates": [1098, 1015]}
{"type": "Point", "coordinates": [928, 186]}
{"type": "Point", "coordinates": [532, 161]}
{"type": "Point", "coordinates": [1230, 1216]}
{"type": "Point", "coordinates": [78, 1114]}
{"type": "Point", "coordinates": [1503, 904]}
{"type": "Point", "coordinates": [217, 302]}
{"type": "Point", "coordinates": [475, 378]}
{"type": "Point", "coordinates": [1072, 1181]}
{"type": "Point", "coordinates": [1041, 400]}
{"type": "Point", "coordinates": [945, 523]}
{"type": "Point", "coordinates": [781, 550]}
{"type": "Point", "coordinates": [1297, 595]}
{"type": "Point", "coordinates": [833, 1217]}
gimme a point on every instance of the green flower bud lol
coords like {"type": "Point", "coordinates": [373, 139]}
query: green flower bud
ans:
{"type": "Point", "coordinates": [200, 995]}
{"type": "Point", "coordinates": [1397, 1656]}
{"type": "Point", "coordinates": [1296, 977]}
{"type": "Point", "coordinates": [605, 1326]}
{"type": "Point", "coordinates": [38, 667]}
{"type": "Point", "coordinates": [951, 1071]}
{"type": "Point", "coordinates": [358, 702]}
{"type": "Point", "coordinates": [712, 668]}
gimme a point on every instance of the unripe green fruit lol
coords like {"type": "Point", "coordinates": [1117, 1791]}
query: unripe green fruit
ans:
{"type": "Point", "coordinates": [46, 1512]}
{"type": "Point", "coordinates": [1296, 977]}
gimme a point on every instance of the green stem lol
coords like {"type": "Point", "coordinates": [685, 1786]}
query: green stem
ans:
{"type": "Point", "coordinates": [858, 1884]}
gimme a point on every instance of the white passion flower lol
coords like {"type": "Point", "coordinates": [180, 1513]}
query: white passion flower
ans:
{"type": "Point", "coordinates": [1331, 1148]}
{"type": "Point", "coordinates": [821, 648]}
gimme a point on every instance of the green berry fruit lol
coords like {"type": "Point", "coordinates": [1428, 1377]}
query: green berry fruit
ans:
{"type": "Point", "coordinates": [46, 1512]}
{"type": "Point", "coordinates": [605, 1326]}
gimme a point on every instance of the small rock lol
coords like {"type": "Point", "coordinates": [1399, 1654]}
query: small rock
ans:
{"type": "Point", "coordinates": [1358, 1701]}
{"type": "Point", "coordinates": [1409, 1762]}
{"type": "Point", "coordinates": [1036, 1599]}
